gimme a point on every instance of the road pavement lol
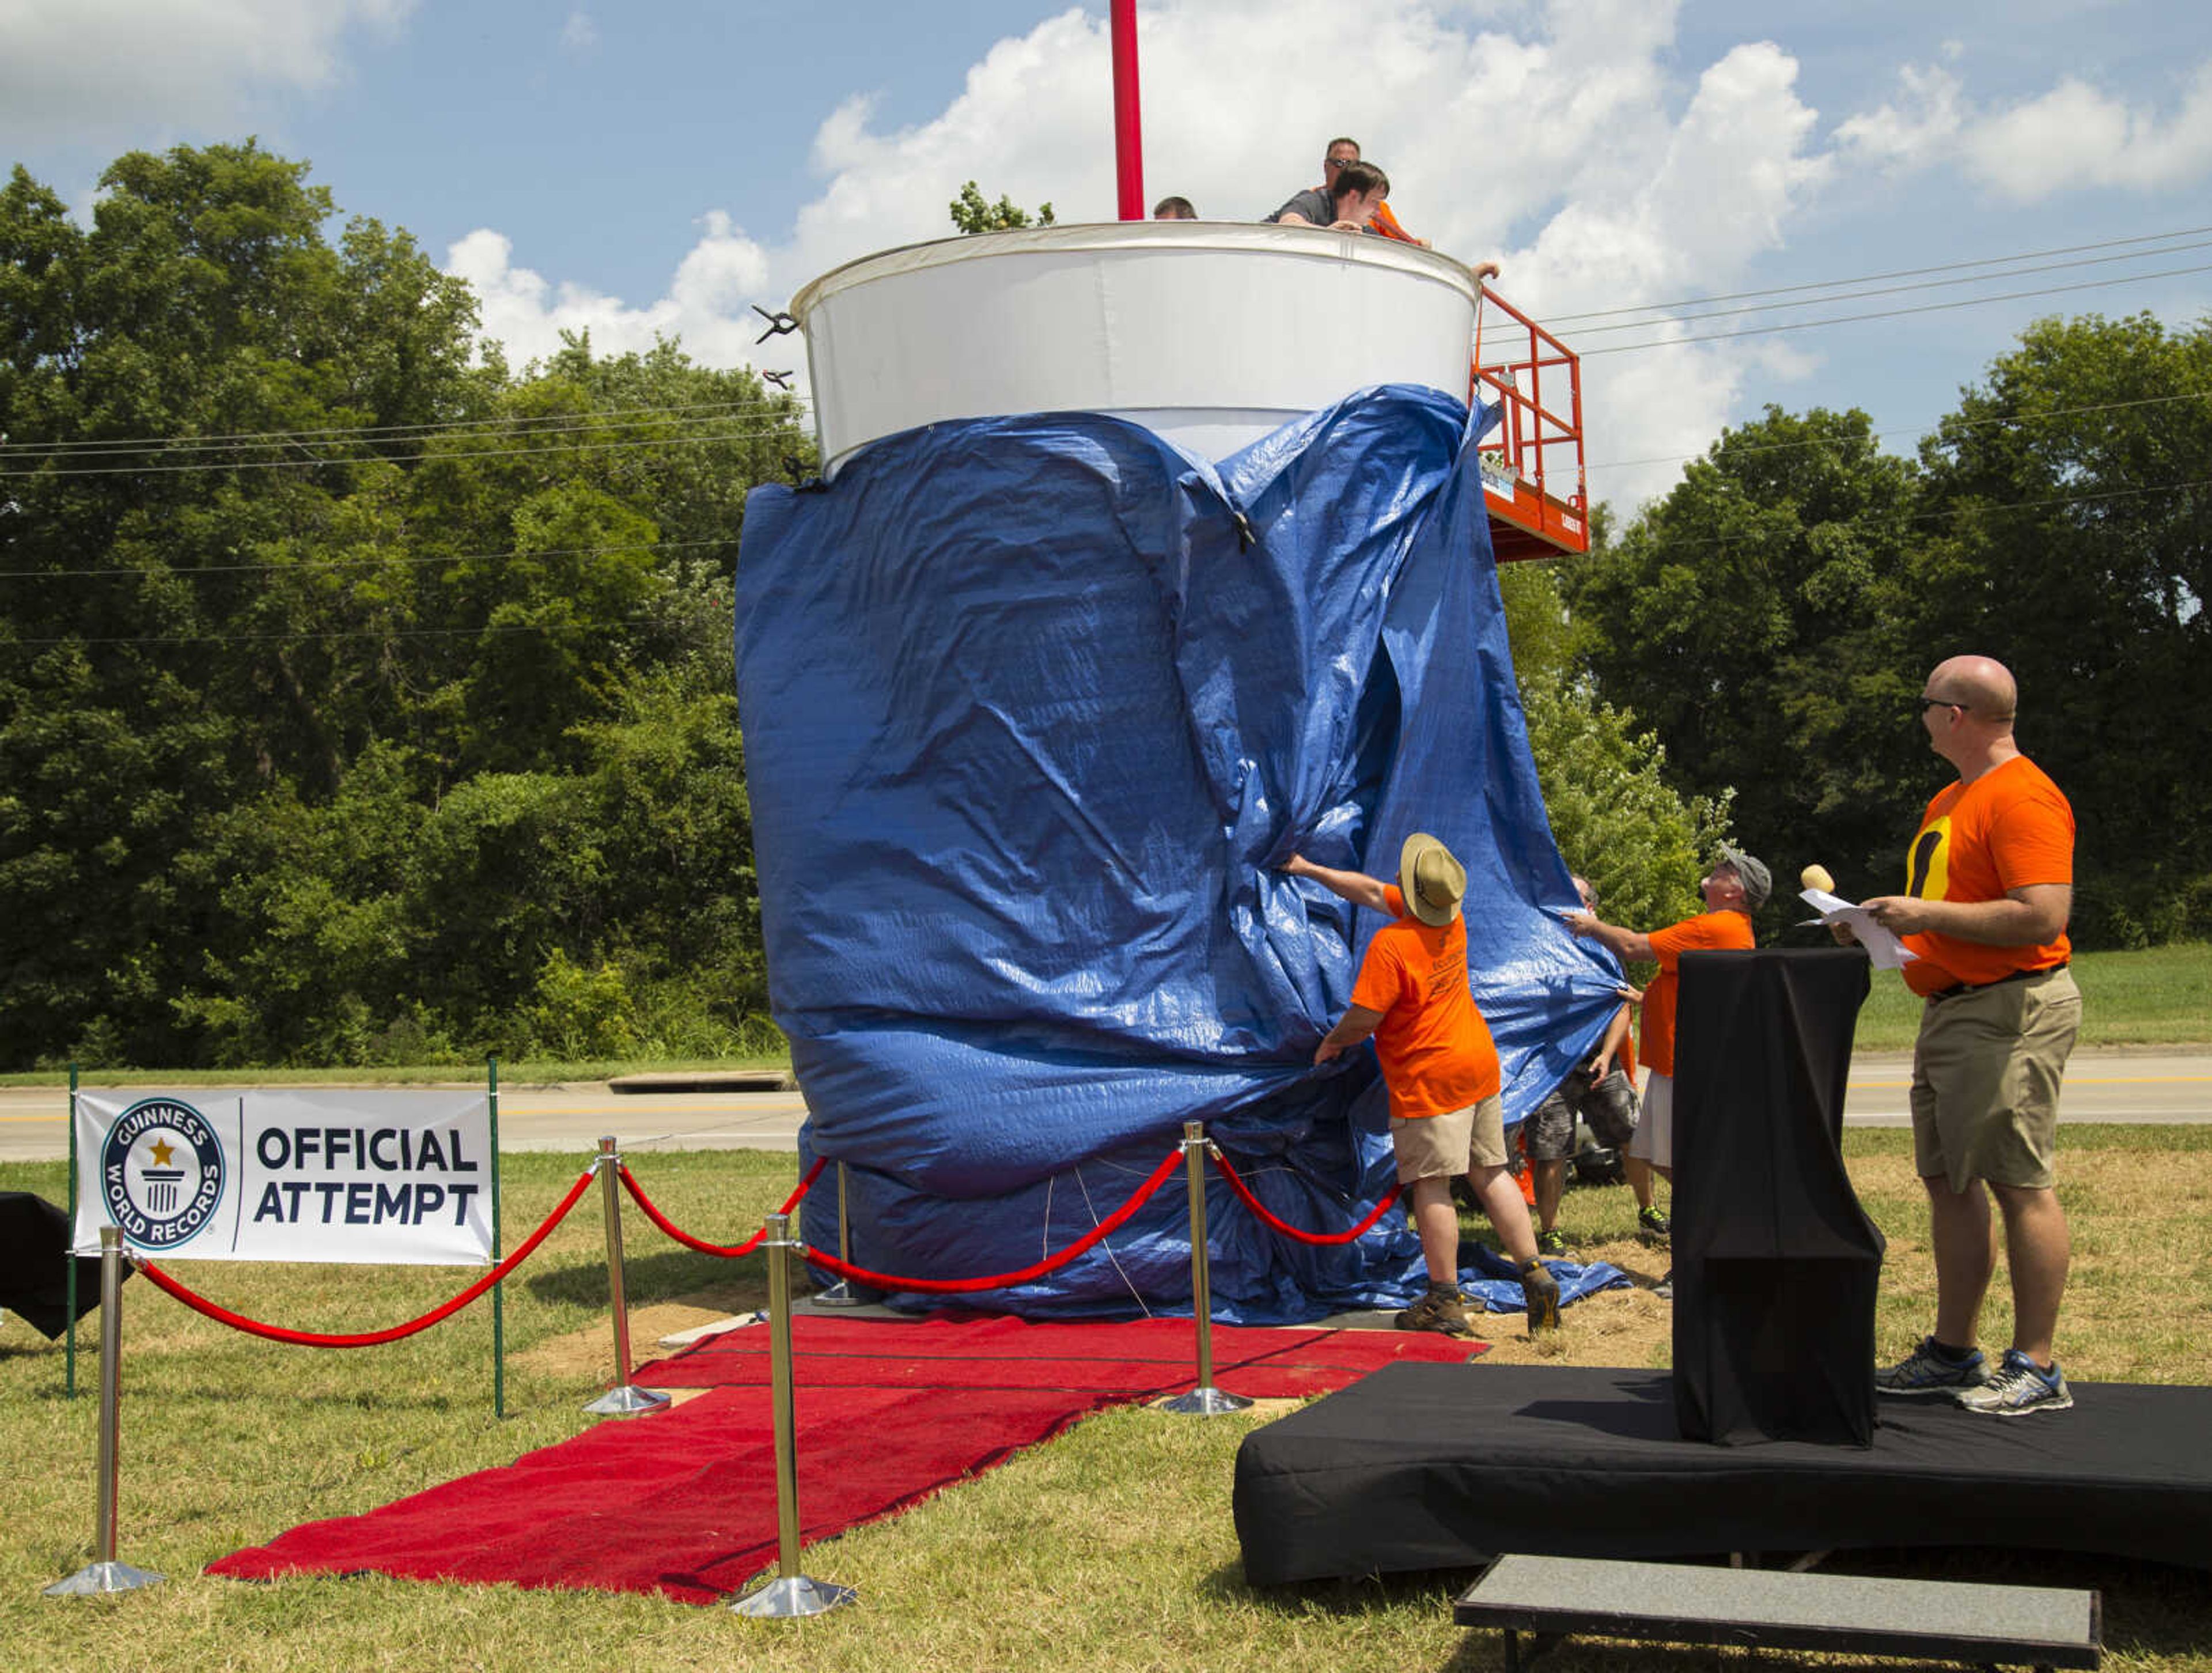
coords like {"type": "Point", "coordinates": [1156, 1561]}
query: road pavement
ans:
{"type": "Point", "coordinates": [2168, 1086]}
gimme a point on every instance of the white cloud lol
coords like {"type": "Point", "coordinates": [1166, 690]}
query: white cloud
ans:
{"type": "Point", "coordinates": [1561, 137]}
{"type": "Point", "coordinates": [2077, 136]}
{"type": "Point", "coordinates": [98, 72]}
{"type": "Point", "coordinates": [580, 34]}
{"type": "Point", "coordinates": [1918, 127]}
{"type": "Point", "coordinates": [707, 307]}
{"type": "Point", "coordinates": [2074, 137]}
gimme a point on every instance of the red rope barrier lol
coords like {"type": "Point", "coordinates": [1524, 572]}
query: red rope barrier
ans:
{"type": "Point", "coordinates": [1112, 1223]}
{"type": "Point", "coordinates": [728, 1251]}
{"type": "Point", "coordinates": [221, 1315]}
{"type": "Point", "coordinates": [1244, 1195]}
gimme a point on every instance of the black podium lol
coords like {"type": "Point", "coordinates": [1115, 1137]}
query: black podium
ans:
{"type": "Point", "coordinates": [1775, 1264]}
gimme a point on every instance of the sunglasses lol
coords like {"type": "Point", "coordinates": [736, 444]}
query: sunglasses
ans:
{"type": "Point", "coordinates": [1923, 704]}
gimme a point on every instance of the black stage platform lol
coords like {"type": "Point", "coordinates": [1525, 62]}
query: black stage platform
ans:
{"type": "Point", "coordinates": [1428, 1466]}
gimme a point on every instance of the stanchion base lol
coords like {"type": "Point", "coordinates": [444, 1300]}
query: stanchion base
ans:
{"type": "Point", "coordinates": [627, 1401]}
{"type": "Point", "coordinates": [839, 1294]}
{"type": "Point", "coordinates": [1205, 1401]}
{"type": "Point", "coordinates": [785, 1600]}
{"type": "Point", "coordinates": [98, 1579]}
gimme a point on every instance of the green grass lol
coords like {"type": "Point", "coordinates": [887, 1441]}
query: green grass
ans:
{"type": "Point", "coordinates": [1108, 1550]}
{"type": "Point", "coordinates": [2157, 997]}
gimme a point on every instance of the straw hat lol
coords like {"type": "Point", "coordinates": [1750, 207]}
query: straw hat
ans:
{"type": "Point", "coordinates": [1431, 881]}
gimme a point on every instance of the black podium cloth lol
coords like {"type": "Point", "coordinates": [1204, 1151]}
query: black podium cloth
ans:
{"type": "Point", "coordinates": [1419, 1467]}
{"type": "Point", "coordinates": [1775, 1264]}
{"type": "Point", "coordinates": [34, 1264]}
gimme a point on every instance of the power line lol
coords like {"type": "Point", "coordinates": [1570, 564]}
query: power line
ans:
{"type": "Point", "coordinates": [313, 463]}
{"type": "Point", "coordinates": [1921, 429]}
{"type": "Point", "coordinates": [1976, 507]}
{"type": "Point", "coordinates": [320, 636]}
{"type": "Point", "coordinates": [1893, 313]}
{"type": "Point", "coordinates": [1898, 289]}
{"type": "Point", "coordinates": [148, 572]}
{"type": "Point", "coordinates": [790, 406]}
{"type": "Point", "coordinates": [397, 432]}
{"type": "Point", "coordinates": [1877, 279]}
{"type": "Point", "coordinates": [299, 637]}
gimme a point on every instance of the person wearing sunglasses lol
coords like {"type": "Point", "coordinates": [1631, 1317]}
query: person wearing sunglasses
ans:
{"type": "Point", "coordinates": [1989, 888]}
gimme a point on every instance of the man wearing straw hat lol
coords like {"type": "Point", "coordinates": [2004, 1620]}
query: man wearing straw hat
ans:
{"type": "Point", "coordinates": [1441, 1067]}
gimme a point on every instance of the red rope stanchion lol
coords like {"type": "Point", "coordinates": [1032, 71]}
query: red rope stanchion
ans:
{"type": "Point", "coordinates": [221, 1315]}
{"type": "Point", "coordinates": [1105, 1227]}
{"type": "Point", "coordinates": [1259, 1209]}
{"type": "Point", "coordinates": [728, 1251]}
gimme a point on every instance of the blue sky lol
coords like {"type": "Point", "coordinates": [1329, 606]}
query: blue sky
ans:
{"type": "Point", "coordinates": [661, 167]}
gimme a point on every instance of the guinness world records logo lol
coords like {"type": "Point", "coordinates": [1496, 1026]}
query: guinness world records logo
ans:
{"type": "Point", "coordinates": [161, 1173]}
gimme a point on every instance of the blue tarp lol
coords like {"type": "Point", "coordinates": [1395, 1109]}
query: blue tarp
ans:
{"type": "Point", "coordinates": [1032, 708]}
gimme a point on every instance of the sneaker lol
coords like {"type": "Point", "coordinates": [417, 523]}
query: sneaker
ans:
{"type": "Point", "coordinates": [1664, 1289]}
{"type": "Point", "coordinates": [2020, 1386]}
{"type": "Point", "coordinates": [1652, 1225]}
{"type": "Point", "coordinates": [1441, 1310]}
{"type": "Point", "coordinates": [1928, 1370]}
{"type": "Point", "coordinates": [1541, 1292]}
{"type": "Point", "coordinates": [1551, 1245]}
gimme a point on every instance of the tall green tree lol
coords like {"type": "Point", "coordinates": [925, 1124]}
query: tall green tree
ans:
{"type": "Point", "coordinates": [166, 558]}
{"type": "Point", "coordinates": [1754, 620]}
{"type": "Point", "coordinates": [332, 652]}
{"type": "Point", "coordinates": [2069, 535]}
{"type": "Point", "coordinates": [1617, 819]}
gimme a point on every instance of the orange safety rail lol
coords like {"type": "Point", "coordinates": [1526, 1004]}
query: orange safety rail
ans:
{"type": "Point", "coordinates": [1532, 463]}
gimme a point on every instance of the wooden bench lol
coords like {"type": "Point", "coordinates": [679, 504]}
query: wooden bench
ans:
{"type": "Point", "coordinates": [1776, 1608]}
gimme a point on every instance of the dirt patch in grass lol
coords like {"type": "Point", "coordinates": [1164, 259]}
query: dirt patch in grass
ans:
{"type": "Point", "coordinates": [590, 1352]}
{"type": "Point", "coordinates": [1630, 1328]}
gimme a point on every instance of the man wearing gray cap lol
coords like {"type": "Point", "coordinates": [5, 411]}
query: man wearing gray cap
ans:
{"type": "Point", "coordinates": [1735, 884]}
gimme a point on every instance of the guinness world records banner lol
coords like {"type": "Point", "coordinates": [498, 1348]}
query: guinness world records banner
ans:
{"type": "Point", "coordinates": [350, 1175]}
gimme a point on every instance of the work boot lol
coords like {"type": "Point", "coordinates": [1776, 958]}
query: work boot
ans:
{"type": "Point", "coordinates": [1440, 1310]}
{"type": "Point", "coordinates": [1542, 1293]}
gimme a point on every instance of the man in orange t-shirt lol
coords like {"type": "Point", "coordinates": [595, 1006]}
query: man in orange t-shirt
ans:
{"type": "Point", "coordinates": [1990, 886]}
{"type": "Point", "coordinates": [1735, 884]}
{"type": "Point", "coordinates": [1441, 1066]}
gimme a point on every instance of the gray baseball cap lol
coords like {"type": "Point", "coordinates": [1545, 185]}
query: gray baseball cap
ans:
{"type": "Point", "coordinates": [1757, 881]}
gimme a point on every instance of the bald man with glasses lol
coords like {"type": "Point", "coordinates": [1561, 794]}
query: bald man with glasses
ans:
{"type": "Point", "coordinates": [1989, 888]}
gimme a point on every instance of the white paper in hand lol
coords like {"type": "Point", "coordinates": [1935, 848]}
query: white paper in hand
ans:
{"type": "Point", "coordinates": [1884, 949]}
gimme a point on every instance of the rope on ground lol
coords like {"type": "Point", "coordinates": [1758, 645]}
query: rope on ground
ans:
{"type": "Point", "coordinates": [221, 1315]}
{"type": "Point", "coordinates": [1105, 1227]}
{"type": "Point", "coordinates": [727, 1251]}
{"type": "Point", "coordinates": [1259, 1208]}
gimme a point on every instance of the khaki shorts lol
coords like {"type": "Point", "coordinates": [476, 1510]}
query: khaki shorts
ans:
{"type": "Point", "coordinates": [1986, 1078]}
{"type": "Point", "coordinates": [1456, 1143]}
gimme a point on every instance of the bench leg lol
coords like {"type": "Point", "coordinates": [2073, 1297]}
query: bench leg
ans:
{"type": "Point", "coordinates": [1539, 1642]}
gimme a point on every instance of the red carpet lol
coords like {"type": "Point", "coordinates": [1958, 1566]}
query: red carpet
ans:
{"type": "Point", "coordinates": [683, 1501]}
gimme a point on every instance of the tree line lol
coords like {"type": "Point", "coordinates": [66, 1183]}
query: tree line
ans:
{"type": "Point", "coordinates": [365, 699]}
{"type": "Point", "coordinates": [1770, 621]}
